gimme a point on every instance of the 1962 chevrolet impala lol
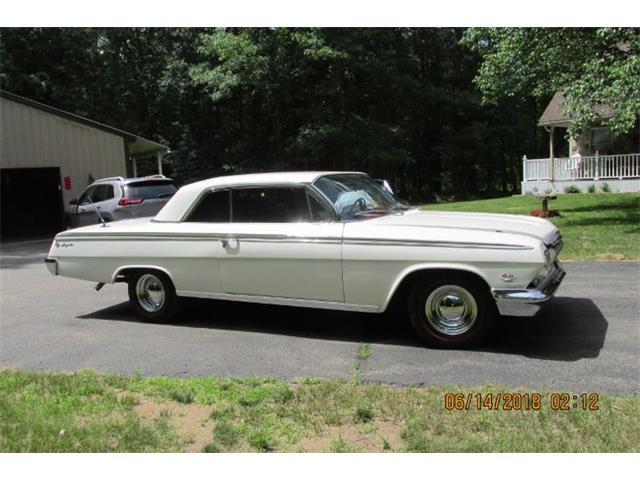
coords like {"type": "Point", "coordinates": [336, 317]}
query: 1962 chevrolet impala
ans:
{"type": "Point", "coordinates": [330, 240]}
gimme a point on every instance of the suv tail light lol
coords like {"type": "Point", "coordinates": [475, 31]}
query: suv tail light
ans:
{"type": "Point", "coordinates": [124, 201]}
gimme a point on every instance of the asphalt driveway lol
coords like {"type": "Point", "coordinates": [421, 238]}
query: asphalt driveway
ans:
{"type": "Point", "coordinates": [587, 339]}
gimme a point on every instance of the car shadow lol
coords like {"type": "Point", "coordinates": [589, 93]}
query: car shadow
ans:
{"type": "Point", "coordinates": [567, 329]}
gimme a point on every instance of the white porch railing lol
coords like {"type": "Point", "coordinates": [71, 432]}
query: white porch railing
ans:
{"type": "Point", "coordinates": [582, 168]}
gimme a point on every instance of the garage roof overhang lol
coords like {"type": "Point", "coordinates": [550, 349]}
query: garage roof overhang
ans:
{"type": "Point", "coordinates": [136, 145]}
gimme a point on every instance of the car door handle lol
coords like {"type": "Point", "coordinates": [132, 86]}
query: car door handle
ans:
{"type": "Point", "coordinates": [227, 242]}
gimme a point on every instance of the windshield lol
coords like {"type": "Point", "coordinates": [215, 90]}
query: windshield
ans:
{"type": "Point", "coordinates": [358, 196]}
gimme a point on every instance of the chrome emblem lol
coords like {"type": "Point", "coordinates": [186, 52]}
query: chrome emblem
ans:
{"type": "Point", "coordinates": [507, 277]}
{"type": "Point", "coordinates": [62, 244]}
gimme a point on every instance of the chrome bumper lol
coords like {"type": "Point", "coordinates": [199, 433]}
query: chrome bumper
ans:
{"type": "Point", "coordinates": [527, 302]}
{"type": "Point", "coordinates": [52, 265]}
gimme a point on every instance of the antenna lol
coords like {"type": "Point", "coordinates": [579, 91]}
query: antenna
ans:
{"type": "Point", "coordinates": [104, 224]}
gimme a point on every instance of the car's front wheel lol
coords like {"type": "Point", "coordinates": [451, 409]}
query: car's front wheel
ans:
{"type": "Point", "coordinates": [153, 295]}
{"type": "Point", "coordinates": [454, 311]}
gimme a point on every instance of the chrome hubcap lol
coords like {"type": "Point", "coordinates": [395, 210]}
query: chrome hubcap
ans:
{"type": "Point", "coordinates": [451, 310]}
{"type": "Point", "coordinates": [150, 292]}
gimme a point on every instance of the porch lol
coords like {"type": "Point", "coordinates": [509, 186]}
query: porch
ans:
{"type": "Point", "coordinates": [620, 172]}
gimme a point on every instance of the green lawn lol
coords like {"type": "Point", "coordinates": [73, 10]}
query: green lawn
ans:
{"type": "Point", "coordinates": [87, 411]}
{"type": "Point", "coordinates": [599, 226]}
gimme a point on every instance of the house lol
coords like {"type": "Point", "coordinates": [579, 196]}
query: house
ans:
{"type": "Point", "coordinates": [593, 158]}
{"type": "Point", "coordinates": [49, 156]}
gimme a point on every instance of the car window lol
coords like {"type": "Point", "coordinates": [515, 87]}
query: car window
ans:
{"type": "Point", "coordinates": [319, 212]}
{"type": "Point", "coordinates": [213, 208]}
{"type": "Point", "coordinates": [86, 195]}
{"type": "Point", "coordinates": [102, 192]}
{"type": "Point", "coordinates": [150, 189]}
{"type": "Point", "coordinates": [269, 205]}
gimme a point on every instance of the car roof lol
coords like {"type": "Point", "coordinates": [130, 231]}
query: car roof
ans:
{"type": "Point", "coordinates": [184, 198]}
{"type": "Point", "coordinates": [125, 181]}
{"type": "Point", "coordinates": [265, 178]}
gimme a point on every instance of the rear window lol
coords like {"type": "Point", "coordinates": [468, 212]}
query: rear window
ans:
{"type": "Point", "coordinates": [150, 189]}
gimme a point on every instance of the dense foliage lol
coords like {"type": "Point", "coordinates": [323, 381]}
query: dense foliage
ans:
{"type": "Point", "coordinates": [399, 103]}
{"type": "Point", "coordinates": [591, 66]}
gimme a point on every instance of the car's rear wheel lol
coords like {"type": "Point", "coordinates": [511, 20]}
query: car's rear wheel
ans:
{"type": "Point", "coordinates": [153, 295]}
{"type": "Point", "coordinates": [451, 311]}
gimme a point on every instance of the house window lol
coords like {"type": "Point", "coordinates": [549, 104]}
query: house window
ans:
{"type": "Point", "coordinates": [601, 140]}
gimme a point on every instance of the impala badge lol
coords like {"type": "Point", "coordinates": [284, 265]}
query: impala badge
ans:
{"type": "Point", "coordinates": [507, 277]}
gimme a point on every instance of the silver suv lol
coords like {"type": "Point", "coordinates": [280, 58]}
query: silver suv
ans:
{"type": "Point", "coordinates": [118, 198]}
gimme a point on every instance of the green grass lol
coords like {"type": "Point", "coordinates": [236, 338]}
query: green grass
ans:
{"type": "Point", "coordinates": [87, 411]}
{"type": "Point", "coordinates": [364, 351]}
{"type": "Point", "coordinates": [595, 226]}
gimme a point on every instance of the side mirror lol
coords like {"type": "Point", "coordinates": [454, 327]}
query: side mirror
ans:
{"type": "Point", "coordinates": [73, 201]}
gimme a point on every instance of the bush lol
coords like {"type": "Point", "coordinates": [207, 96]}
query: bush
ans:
{"type": "Point", "coordinates": [591, 188]}
{"type": "Point", "coordinates": [363, 415]}
{"type": "Point", "coordinates": [571, 189]}
{"type": "Point", "coordinates": [261, 440]}
{"type": "Point", "coordinates": [183, 396]}
{"type": "Point", "coordinates": [605, 188]}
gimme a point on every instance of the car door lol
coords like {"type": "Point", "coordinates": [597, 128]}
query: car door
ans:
{"type": "Point", "coordinates": [85, 211]}
{"type": "Point", "coordinates": [100, 196]}
{"type": "Point", "coordinates": [198, 270]}
{"type": "Point", "coordinates": [281, 242]}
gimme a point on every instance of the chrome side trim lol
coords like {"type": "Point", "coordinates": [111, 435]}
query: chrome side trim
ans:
{"type": "Point", "coordinates": [527, 302]}
{"type": "Point", "coordinates": [286, 301]}
{"type": "Point", "coordinates": [429, 243]}
{"type": "Point", "coordinates": [206, 237]}
{"type": "Point", "coordinates": [291, 239]}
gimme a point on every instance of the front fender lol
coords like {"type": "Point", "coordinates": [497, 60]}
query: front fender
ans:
{"type": "Point", "coordinates": [431, 266]}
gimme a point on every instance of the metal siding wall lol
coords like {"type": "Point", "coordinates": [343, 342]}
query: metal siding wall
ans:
{"type": "Point", "coordinates": [31, 138]}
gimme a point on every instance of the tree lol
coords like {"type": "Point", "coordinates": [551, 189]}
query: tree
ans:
{"type": "Point", "coordinates": [398, 103]}
{"type": "Point", "coordinates": [589, 66]}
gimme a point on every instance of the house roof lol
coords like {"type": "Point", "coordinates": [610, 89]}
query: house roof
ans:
{"type": "Point", "coordinates": [136, 144]}
{"type": "Point", "coordinates": [554, 114]}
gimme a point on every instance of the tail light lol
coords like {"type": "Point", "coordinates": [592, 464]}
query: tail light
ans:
{"type": "Point", "coordinates": [124, 201]}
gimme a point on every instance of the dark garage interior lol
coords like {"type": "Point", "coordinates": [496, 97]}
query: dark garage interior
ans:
{"type": "Point", "coordinates": [31, 203]}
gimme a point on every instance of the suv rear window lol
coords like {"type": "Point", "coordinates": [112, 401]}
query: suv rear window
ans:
{"type": "Point", "coordinates": [150, 189]}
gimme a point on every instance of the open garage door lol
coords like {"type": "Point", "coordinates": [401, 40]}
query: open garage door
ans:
{"type": "Point", "coordinates": [31, 202]}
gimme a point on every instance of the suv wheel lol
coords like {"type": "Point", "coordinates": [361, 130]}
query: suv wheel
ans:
{"type": "Point", "coordinates": [451, 312]}
{"type": "Point", "coordinates": [153, 296]}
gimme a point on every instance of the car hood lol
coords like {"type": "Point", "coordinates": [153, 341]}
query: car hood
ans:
{"type": "Point", "coordinates": [533, 227]}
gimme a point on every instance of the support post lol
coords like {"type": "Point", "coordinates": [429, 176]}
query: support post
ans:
{"type": "Point", "coordinates": [160, 161]}
{"type": "Point", "coordinates": [551, 154]}
{"type": "Point", "coordinates": [135, 166]}
{"type": "Point", "coordinates": [524, 168]}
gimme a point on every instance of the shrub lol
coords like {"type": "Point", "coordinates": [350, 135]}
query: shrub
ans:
{"type": "Point", "coordinates": [210, 448]}
{"type": "Point", "coordinates": [183, 396]}
{"type": "Point", "coordinates": [591, 188]}
{"type": "Point", "coordinates": [226, 434]}
{"type": "Point", "coordinates": [605, 188]}
{"type": "Point", "coordinates": [571, 189]}
{"type": "Point", "coordinates": [261, 440]}
{"type": "Point", "coordinates": [363, 415]}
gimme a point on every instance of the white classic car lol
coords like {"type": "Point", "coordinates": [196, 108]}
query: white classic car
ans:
{"type": "Point", "coordinates": [332, 240]}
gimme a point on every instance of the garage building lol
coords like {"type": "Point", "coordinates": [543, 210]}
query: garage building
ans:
{"type": "Point", "coordinates": [49, 156]}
